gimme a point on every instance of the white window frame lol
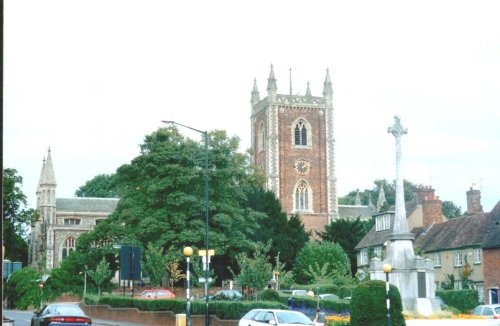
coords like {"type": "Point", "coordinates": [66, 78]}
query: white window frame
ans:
{"type": "Point", "coordinates": [437, 260]}
{"type": "Point", "coordinates": [477, 256]}
{"type": "Point", "coordinates": [383, 222]}
{"type": "Point", "coordinates": [377, 251]}
{"type": "Point", "coordinates": [363, 257]}
{"type": "Point", "coordinates": [459, 259]}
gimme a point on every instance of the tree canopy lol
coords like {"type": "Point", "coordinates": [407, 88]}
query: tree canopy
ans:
{"type": "Point", "coordinates": [162, 200]}
{"type": "Point", "coordinates": [16, 217]}
{"type": "Point", "coordinates": [101, 186]}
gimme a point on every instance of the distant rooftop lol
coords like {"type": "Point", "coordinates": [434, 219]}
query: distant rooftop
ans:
{"type": "Point", "coordinates": [87, 204]}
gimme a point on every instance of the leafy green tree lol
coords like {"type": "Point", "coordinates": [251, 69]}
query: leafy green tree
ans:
{"type": "Point", "coordinates": [101, 186]}
{"type": "Point", "coordinates": [255, 272]}
{"type": "Point", "coordinates": [372, 194]}
{"type": "Point", "coordinates": [450, 210]}
{"type": "Point", "coordinates": [320, 253]}
{"type": "Point", "coordinates": [154, 263]}
{"type": "Point", "coordinates": [347, 233]}
{"type": "Point", "coordinates": [101, 274]}
{"type": "Point", "coordinates": [320, 275]}
{"type": "Point", "coordinates": [23, 288]}
{"type": "Point", "coordinates": [16, 218]}
{"type": "Point", "coordinates": [162, 198]}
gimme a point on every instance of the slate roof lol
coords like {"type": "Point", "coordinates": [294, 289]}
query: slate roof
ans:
{"type": "Point", "coordinates": [492, 237]}
{"type": "Point", "coordinates": [85, 204]}
{"type": "Point", "coordinates": [355, 211]}
{"type": "Point", "coordinates": [453, 234]}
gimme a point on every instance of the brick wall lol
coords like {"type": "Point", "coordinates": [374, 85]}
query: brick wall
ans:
{"type": "Point", "coordinates": [134, 315]}
{"type": "Point", "coordinates": [491, 267]}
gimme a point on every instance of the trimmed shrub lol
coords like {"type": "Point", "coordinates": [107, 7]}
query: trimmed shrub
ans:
{"type": "Point", "coordinates": [463, 300]}
{"type": "Point", "coordinates": [368, 305]}
{"type": "Point", "coordinates": [268, 295]}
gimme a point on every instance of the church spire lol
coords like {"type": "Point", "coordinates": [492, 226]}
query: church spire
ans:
{"type": "Point", "coordinates": [308, 90]}
{"type": "Point", "coordinates": [381, 197]}
{"type": "Point", "coordinates": [48, 176]}
{"type": "Point", "coordinates": [358, 198]}
{"type": "Point", "coordinates": [47, 185]}
{"type": "Point", "coordinates": [255, 93]}
{"type": "Point", "coordinates": [291, 93]}
{"type": "Point", "coordinates": [328, 89]}
{"type": "Point", "coordinates": [271, 85]}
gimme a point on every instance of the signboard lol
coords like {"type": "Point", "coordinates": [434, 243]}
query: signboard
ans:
{"type": "Point", "coordinates": [202, 280]}
{"type": "Point", "coordinates": [130, 263]}
{"type": "Point", "coordinates": [10, 267]}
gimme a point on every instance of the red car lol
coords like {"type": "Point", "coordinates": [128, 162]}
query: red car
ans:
{"type": "Point", "coordinates": [157, 294]}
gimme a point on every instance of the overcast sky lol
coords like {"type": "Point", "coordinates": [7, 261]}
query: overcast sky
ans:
{"type": "Point", "coordinates": [90, 79]}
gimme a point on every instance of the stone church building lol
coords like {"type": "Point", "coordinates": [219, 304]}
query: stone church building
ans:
{"type": "Point", "coordinates": [61, 220]}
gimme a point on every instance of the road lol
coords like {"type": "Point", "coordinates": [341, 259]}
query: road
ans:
{"type": "Point", "coordinates": [23, 318]}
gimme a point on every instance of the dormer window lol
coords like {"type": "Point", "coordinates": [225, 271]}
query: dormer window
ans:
{"type": "Point", "coordinates": [383, 222]}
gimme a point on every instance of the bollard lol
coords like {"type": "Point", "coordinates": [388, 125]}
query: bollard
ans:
{"type": "Point", "coordinates": [180, 320]}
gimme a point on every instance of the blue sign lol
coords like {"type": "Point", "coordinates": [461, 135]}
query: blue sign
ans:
{"type": "Point", "coordinates": [10, 267]}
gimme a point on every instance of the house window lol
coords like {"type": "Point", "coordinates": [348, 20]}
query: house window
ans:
{"type": "Point", "coordinates": [300, 134]}
{"type": "Point", "coordinates": [477, 256]}
{"type": "Point", "coordinates": [383, 222]}
{"type": "Point", "coordinates": [302, 194]}
{"type": "Point", "coordinates": [68, 246]}
{"type": "Point", "coordinates": [363, 257]}
{"type": "Point", "coordinates": [437, 260]}
{"type": "Point", "coordinates": [459, 259]}
{"type": "Point", "coordinates": [378, 252]}
{"type": "Point", "coordinates": [71, 221]}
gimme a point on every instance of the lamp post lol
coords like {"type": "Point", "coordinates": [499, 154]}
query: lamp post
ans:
{"type": "Point", "coordinates": [205, 135]}
{"type": "Point", "coordinates": [387, 269]}
{"type": "Point", "coordinates": [188, 251]}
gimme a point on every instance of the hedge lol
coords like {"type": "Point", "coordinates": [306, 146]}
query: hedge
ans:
{"type": "Point", "coordinates": [222, 309]}
{"type": "Point", "coordinates": [463, 300]}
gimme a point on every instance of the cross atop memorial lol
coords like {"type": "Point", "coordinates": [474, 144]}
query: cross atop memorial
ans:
{"type": "Point", "coordinates": [397, 129]}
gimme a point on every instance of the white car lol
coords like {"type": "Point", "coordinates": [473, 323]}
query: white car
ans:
{"type": "Point", "coordinates": [328, 296]}
{"type": "Point", "coordinates": [259, 317]}
{"type": "Point", "coordinates": [490, 311]}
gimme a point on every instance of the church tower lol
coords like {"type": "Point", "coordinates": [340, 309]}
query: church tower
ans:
{"type": "Point", "coordinates": [293, 142]}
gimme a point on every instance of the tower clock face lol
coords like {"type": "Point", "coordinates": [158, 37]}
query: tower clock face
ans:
{"type": "Point", "coordinates": [302, 167]}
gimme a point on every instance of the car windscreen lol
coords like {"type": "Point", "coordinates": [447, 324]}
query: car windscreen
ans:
{"type": "Point", "coordinates": [67, 311]}
{"type": "Point", "coordinates": [293, 318]}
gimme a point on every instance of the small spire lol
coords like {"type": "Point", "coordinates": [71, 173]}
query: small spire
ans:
{"type": "Point", "coordinates": [271, 85]}
{"type": "Point", "coordinates": [327, 88]}
{"type": "Point", "coordinates": [358, 198]}
{"type": "Point", "coordinates": [48, 175]}
{"type": "Point", "coordinates": [291, 81]}
{"type": "Point", "coordinates": [255, 98]}
{"type": "Point", "coordinates": [381, 197]}
{"type": "Point", "coordinates": [308, 90]}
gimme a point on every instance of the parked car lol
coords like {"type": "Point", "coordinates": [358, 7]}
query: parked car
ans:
{"type": "Point", "coordinates": [299, 292]}
{"type": "Point", "coordinates": [328, 296]}
{"type": "Point", "coordinates": [490, 311]}
{"type": "Point", "coordinates": [231, 295]}
{"type": "Point", "coordinates": [157, 294]}
{"type": "Point", "coordinates": [60, 314]}
{"type": "Point", "coordinates": [259, 317]}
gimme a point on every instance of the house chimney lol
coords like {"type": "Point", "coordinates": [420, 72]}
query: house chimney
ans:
{"type": "Point", "coordinates": [432, 206]}
{"type": "Point", "coordinates": [474, 201]}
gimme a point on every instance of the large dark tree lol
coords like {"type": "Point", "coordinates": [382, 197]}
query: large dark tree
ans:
{"type": "Point", "coordinates": [288, 236]}
{"type": "Point", "coordinates": [347, 233]}
{"type": "Point", "coordinates": [162, 202]}
{"type": "Point", "coordinates": [101, 186]}
{"type": "Point", "coordinates": [16, 218]}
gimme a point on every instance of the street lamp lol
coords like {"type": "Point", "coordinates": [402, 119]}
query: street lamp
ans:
{"type": "Point", "coordinates": [387, 269]}
{"type": "Point", "coordinates": [188, 251]}
{"type": "Point", "coordinates": [205, 135]}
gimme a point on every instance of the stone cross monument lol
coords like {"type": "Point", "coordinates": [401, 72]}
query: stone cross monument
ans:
{"type": "Point", "coordinates": [413, 275]}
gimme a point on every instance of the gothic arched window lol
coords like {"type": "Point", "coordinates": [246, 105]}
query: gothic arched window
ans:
{"type": "Point", "coordinates": [68, 246]}
{"type": "Point", "coordinates": [302, 197]}
{"type": "Point", "coordinates": [300, 134]}
{"type": "Point", "coordinates": [262, 138]}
